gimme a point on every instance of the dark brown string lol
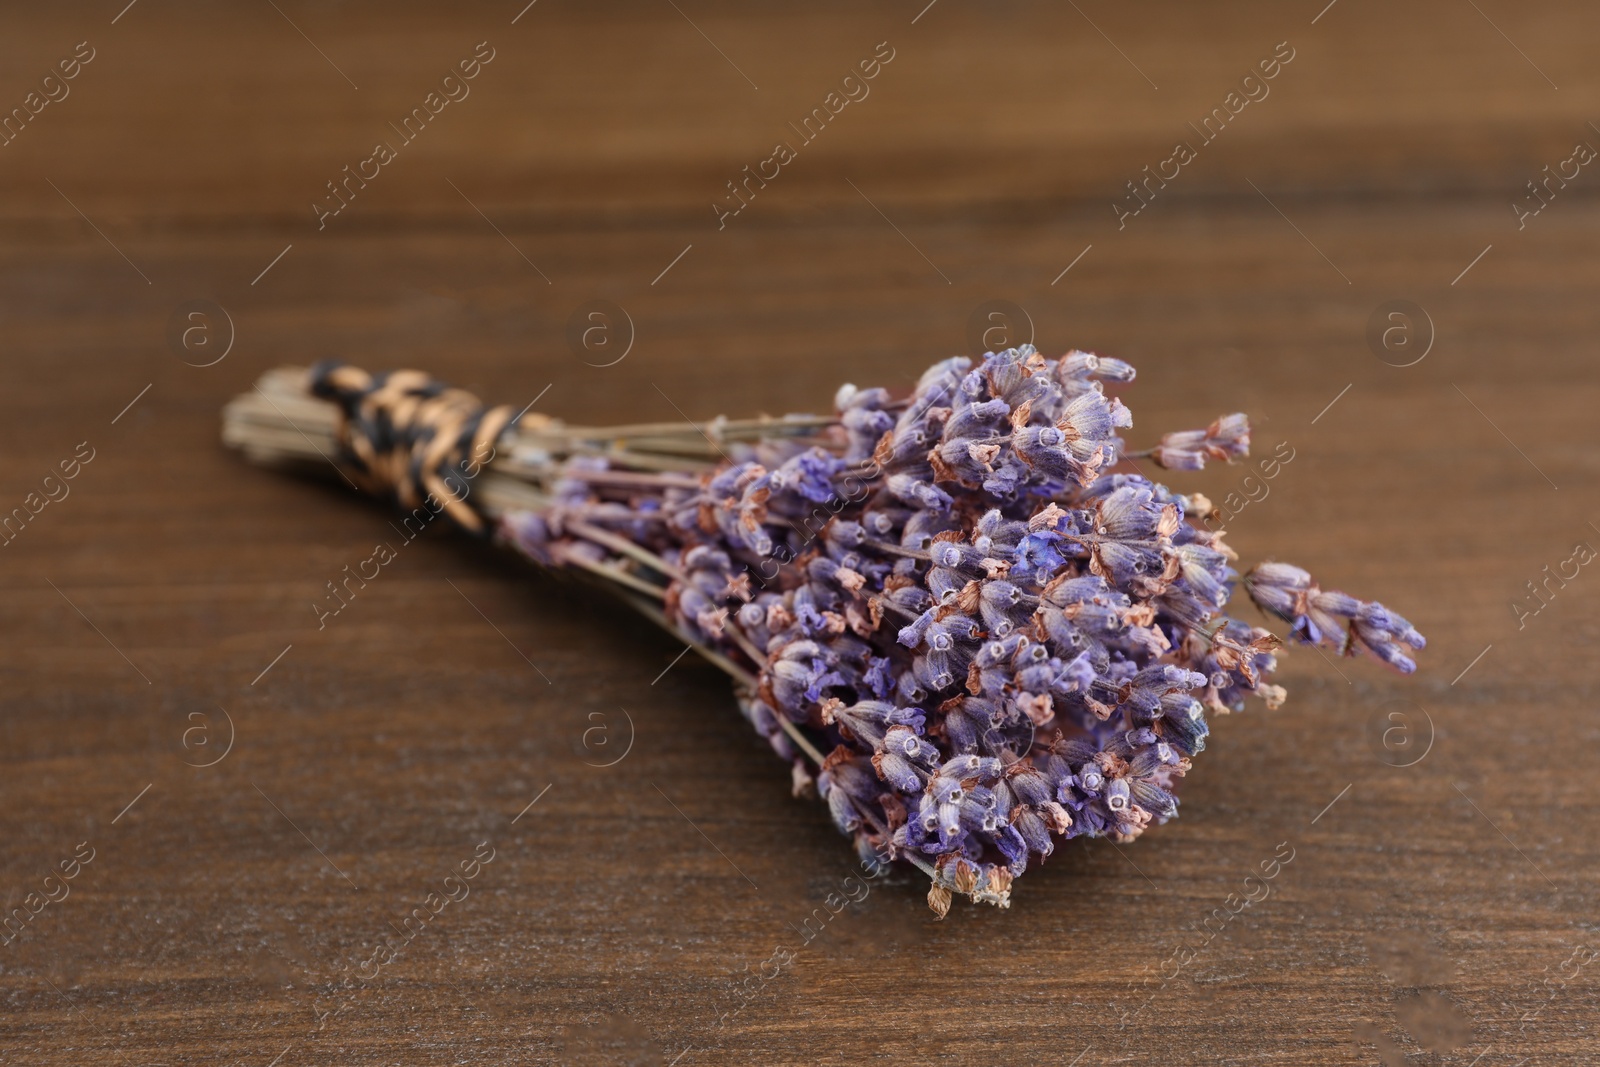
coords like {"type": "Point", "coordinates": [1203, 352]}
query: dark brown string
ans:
{"type": "Point", "coordinates": [410, 436]}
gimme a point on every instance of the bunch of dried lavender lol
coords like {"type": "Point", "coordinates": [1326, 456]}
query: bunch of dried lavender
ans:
{"type": "Point", "coordinates": [950, 612]}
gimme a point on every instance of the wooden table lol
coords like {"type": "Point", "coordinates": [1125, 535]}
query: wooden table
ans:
{"type": "Point", "coordinates": [1439, 906]}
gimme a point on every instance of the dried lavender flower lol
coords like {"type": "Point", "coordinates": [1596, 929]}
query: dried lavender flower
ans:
{"type": "Point", "coordinates": [1291, 594]}
{"type": "Point", "coordinates": [1226, 439]}
{"type": "Point", "coordinates": [984, 637]}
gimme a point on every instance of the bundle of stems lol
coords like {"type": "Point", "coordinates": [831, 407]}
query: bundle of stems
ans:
{"type": "Point", "coordinates": [280, 424]}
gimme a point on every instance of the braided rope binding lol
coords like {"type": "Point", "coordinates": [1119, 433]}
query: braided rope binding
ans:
{"type": "Point", "coordinates": [407, 435]}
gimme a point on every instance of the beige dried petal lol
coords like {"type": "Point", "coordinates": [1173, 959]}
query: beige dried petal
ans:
{"type": "Point", "coordinates": [965, 878]}
{"type": "Point", "coordinates": [1051, 514]}
{"type": "Point", "coordinates": [1037, 706]}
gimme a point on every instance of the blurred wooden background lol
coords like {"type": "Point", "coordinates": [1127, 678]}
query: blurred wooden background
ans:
{"type": "Point", "coordinates": [1437, 913]}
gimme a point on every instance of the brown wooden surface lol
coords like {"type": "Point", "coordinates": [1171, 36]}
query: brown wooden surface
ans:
{"type": "Point", "coordinates": [1431, 915]}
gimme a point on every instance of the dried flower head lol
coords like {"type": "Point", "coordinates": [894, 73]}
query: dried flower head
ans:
{"type": "Point", "coordinates": [1004, 643]}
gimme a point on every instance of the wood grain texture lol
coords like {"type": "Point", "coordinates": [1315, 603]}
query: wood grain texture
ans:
{"type": "Point", "coordinates": [1441, 913]}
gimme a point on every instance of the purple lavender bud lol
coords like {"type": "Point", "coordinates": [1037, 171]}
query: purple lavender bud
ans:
{"type": "Point", "coordinates": [946, 790]}
{"type": "Point", "coordinates": [1078, 674]}
{"type": "Point", "coordinates": [1178, 704]}
{"type": "Point", "coordinates": [937, 670]}
{"type": "Point", "coordinates": [850, 398]}
{"type": "Point", "coordinates": [843, 810]}
{"type": "Point", "coordinates": [946, 554]}
{"type": "Point", "coordinates": [1045, 450]}
{"type": "Point", "coordinates": [1007, 368]}
{"type": "Point", "coordinates": [1007, 479]}
{"type": "Point", "coordinates": [806, 614]}
{"type": "Point", "coordinates": [1029, 784]}
{"type": "Point", "coordinates": [962, 730]}
{"type": "Point", "coordinates": [879, 677]}
{"type": "Point", "coordinates": [871, 854]}
{"type": "Point", "coordinates": [1136, 569]}
{"type": "Point", "coordinates": [945, 584]}
{"type": "Point", "coordinates": [913, 835]}
{"type": "Point", "coordinates": [821, 683]}
{"type": "Point", "coordinates": [905, 741]}
{"type": "Point", "coordinates": [1278, 580]}
{"type": "Point", "coordinates": [1152, 798]}
{"type": "Point", "coordinates": [978, 819]}
{"type": "Point", "coordinates": [897, 771]}
{"type": "Point", "coordinates": [907, 447]}
{"type": "Point", "coordinates": [940, 637]}
{"type": "Point", "coordinates": [943, 376]}
{"type": "Point", "coordinates": [908, 690]}
{"type": "Point", "coordinates": [1034, 832]}
{"type": "Point", "coordinates": [1145, 763]}
{"type": "Point", "coordinates": [797, 666]}
{"type": "Point", "coordinates": [1205, 573]}
{"type": "Point", "coordinates": [1131, 514]}
{"type": "Point", "coordinates": [922, 525]}
{"type": "Point", "coordinates": [879, 524]}
{"type": "Point", "coordinates": [1039, 556]}
{"type": "Point", "coordinates": [1091, 822]}
{"type": "Point", "coordinates": [959, 767]}
{"type": "Point", "coordinates": [1376, 618]}
{"type": "Point", "coordinates": [866, 719]}
{"type": "Point", "coordinates": [1014, 845]}
{"type": "Point", "coordinates": [994, 525]}
{"type": "Point", "coordinates": [1085, 365]}
{"type": "Point", "coordinates": [1090, 420]}
{"type": "Point", "coordinates": [1184, 451]}
{"type": "Point", "coordinates": [961, 627]}
{"type": "Point", "coordinates": [1226, 439]}
{"type": "Point", "coordinates": [1036, 679]}
{"type": "Point", "coordinates": [1384, 632]}
{"type": "Point", "coordinates": [866, 428]}
{"type": "Point", "coordinates": [949, 823]}
{"type": "Point", "coordinates": [914, 718]}
{"type": "Point", "coordinates": [1000, 594]}
{"type": "Point", "coordinates": [911, 635]}
{"type": "Point", "coordinates": [976, 420]}
{"type": "Point", "coordinates": [823, 569]}
{"type": "Point", "coordinates": [1187, 733]}
{"type": "Point", "coordinates": [761, 716]}
{"type": "Point", "coordinates": [811, 474]}
{"type": "Point", "coordinates": [845, 533]}
{"type": "Point", "coordinates": [995, 653]}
